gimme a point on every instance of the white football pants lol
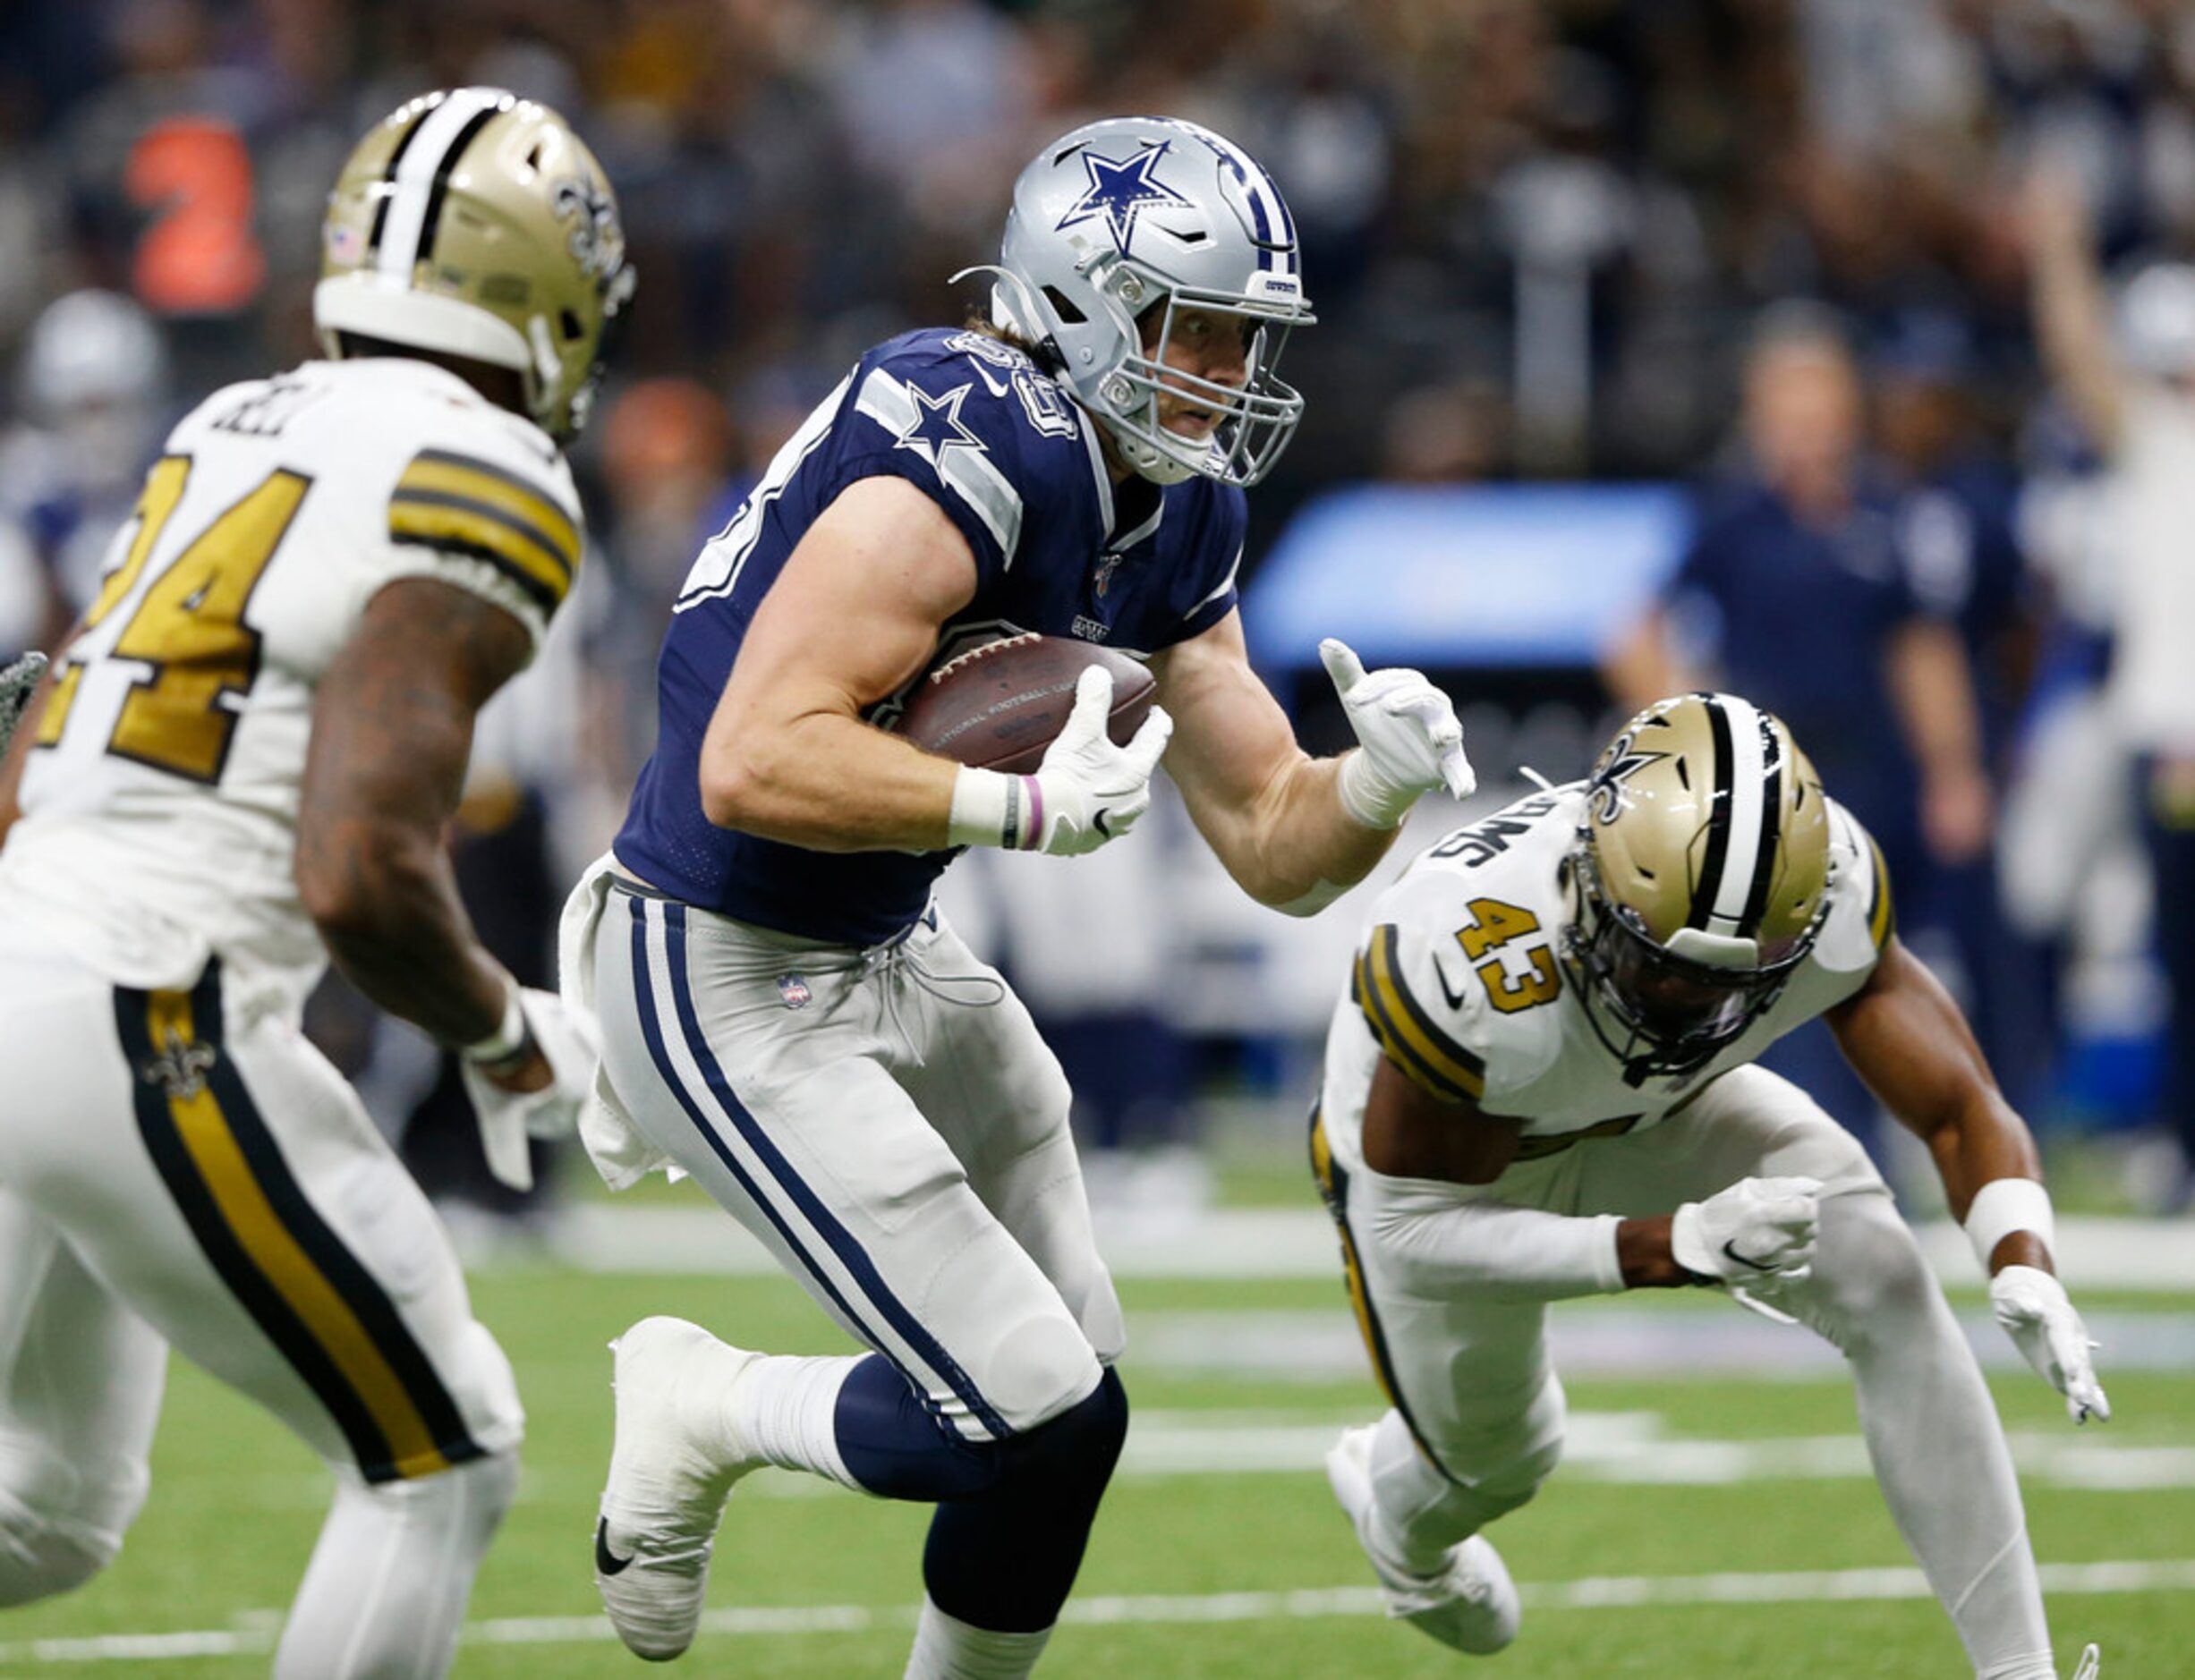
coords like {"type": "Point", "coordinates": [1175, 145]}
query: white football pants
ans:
{"type": "Point", "coordinates": [889, 1125]}
{"type": "Point", "coordinates": [171, 1173]}
{"type": "Point", "coordinates": [1477, 1410]}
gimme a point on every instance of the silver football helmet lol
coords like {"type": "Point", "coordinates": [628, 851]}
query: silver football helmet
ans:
{"type": "Point", "coordinates": [1136, 214]}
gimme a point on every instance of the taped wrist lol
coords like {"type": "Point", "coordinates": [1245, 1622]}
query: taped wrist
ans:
{"type": "Point", "coordinates": [1370, 798]}
{"type": "Point", "coordinates": [991, 809]}
{"type": "Point", "coordinates": [2004, 1205]}
{"type": "Point", "coordinates": [513, 1037]}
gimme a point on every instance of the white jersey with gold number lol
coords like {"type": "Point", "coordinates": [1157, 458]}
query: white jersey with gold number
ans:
{"type": "Point", "coordinates": [160, 797]}
{"type": "Point", "coordinates": [1460, 980]}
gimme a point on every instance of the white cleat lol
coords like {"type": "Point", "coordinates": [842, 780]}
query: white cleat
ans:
{"type": "Point", "coordinates": [1470, 1606]}
{"type": "Point", "coordinates": [2091, 1664]}
{"type": "Point", "coordinates": [667, 1490]}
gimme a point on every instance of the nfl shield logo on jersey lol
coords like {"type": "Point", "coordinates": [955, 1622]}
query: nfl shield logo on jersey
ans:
{"type": "Point", "coordinates": [795, 991]}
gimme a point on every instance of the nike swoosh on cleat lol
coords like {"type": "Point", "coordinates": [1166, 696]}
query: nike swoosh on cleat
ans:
{"type": "Point", "coordinates": [606, 1560]}
{"type": "Point", "coordinates": [1730, 1249]}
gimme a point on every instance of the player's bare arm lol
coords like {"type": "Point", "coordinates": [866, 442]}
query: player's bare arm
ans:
{"type": "Point", "coordinates": [1297, 832]}
{"type": "Point", "coordinates": [853, 619]}
{"type": "Point", "coordinates": [1907, 1039]}
{"type": "Point", "coordinates": [1266, 808]}
{"type": "Point", "coordinates": [1409, 1132]}
{"type": "Point", "coordinates": [392, 729]}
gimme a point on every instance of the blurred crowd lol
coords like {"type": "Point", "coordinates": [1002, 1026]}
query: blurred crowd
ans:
{"type": "Point", "coordinates": [1782, 249]}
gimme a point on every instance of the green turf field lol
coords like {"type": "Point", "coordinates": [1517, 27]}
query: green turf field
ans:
{"type": "Point", "coordinates": [1244, 1571]}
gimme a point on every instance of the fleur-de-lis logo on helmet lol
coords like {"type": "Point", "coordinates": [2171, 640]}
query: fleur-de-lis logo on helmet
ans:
{"type": "Point", "coordinates": [597, 240]}
{"type": "Point", "coordinates": [1617, 765]}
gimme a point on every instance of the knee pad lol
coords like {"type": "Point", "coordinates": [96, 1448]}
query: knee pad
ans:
{"type": "Point", "coordinates": [42, 1555]}
{"type": "Point", "coordinates": [1074, 1449]}
{"type": "Point", "coordinates": [1081, 1443]}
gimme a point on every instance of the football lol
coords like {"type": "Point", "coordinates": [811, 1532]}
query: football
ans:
{"type": "Point", "coordinates": [998, 707]}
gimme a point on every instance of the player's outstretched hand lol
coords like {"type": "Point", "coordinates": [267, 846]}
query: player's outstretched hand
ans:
{"type": "Point", "coordinates": [1089, 791]}
{"type": "Point", "coordinates": [1408, 741]}
{"type": "Point", "coordinates": [1758, 1231]}
{"type": "Point", "coordinates": [18, 682]}
{"type": "Point", "coordinates": [2033, 1308]}
{"type": "Point", "coordinates": [513, 1108]}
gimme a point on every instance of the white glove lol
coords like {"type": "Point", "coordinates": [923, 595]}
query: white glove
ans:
{"type": "Point", "coordinates": [1088, 791]}
{"type": "Point", "coordinates": [509, 1117]}
{"type": "Point", "coordinates": [2032, 1307]}
{"type": "Point", "coordinates": [1410, 742]}
{"type": "Point", "coordinates": [18, 682]}
{"type": "Point", "coordinates": [1757, 1229]}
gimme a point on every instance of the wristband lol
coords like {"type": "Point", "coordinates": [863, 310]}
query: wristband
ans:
{"type": "Point", "coordinates": [990, 808]}
{"type": "Point", "coordinates": [2006, 1205]}
{"type": "Point", "coordinates": [509, 1038]}
{"type": "Point", "coordinates": [1370, 799]}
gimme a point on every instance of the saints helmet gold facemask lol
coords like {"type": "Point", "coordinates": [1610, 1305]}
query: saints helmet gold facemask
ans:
{"type": "Point", "coordinates": [1701, 870]}
{"type": "Point", "coordinates": [475, 224]}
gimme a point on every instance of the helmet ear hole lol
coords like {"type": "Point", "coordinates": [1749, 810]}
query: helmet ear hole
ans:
{"type": "Point", "coordinates": [1064, 307]}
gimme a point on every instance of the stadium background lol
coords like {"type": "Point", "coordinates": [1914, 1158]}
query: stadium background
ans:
{"type": "Point", "coordinates": [1541, 238]}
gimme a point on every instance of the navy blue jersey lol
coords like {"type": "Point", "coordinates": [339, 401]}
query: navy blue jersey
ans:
{"type": "Point", "coordinates": [1016, 464]}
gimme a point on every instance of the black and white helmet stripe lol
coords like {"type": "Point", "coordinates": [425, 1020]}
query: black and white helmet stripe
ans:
{"type": "Point", "coordinates": [419, 174]}
{"type": "Point", "coordinates": [1749, 768]}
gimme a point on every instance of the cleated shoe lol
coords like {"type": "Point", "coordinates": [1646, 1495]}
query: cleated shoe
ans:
{"type": "Point", "coordinates": [666, 1488]}
{"type": "Point", "coordinates": [1470, 1606]}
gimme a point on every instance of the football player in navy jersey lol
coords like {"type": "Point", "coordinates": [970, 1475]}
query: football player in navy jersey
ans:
{"type": "Point", "coordinates": [785, 1015]}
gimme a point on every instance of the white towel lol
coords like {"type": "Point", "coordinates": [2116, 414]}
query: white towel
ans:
{"type": "Point", "coordinates": [620, 1152]}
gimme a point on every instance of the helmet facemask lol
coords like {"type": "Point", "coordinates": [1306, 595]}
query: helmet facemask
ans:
{"type": "Point", "coordinates": [1130, 225]}
{"type": "Point", "coordinates": [1253, 421]}
{"type": "Point", "coordinates": [1701, 871]}
{"type": "Point", "coordinates": [1660, 1011]}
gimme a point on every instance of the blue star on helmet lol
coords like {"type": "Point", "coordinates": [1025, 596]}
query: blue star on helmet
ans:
{"type": "Point", "coordinates": [1121, 189]}
{"type": "Point", "coordinates": [937, 426]}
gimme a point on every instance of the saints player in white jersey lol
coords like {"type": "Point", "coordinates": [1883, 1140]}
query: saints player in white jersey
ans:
{"type": "Point", "coordinates": [241, 764]}
{"type": "Point", "coordinates": [1540, 1085]}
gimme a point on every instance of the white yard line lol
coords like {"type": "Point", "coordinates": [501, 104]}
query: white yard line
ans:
{"type": "Point", "coordinates": [1259, 1242]}
{"type": "Point", "coordinates": [1592, 1593]}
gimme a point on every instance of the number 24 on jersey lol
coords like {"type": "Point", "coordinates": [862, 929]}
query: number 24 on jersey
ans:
{"type": "Point", "coordinates": [188, 629]}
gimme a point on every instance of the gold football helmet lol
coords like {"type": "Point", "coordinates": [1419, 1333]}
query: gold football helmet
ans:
{"type": "Point", "coordinates": [475, 224]}
{"type": "Point", "coordinates": [1702, 870]}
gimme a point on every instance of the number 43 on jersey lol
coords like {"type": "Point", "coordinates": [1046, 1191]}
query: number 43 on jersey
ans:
{"type": "Point", "coordinates": [1494, 924]}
